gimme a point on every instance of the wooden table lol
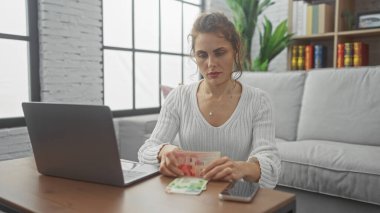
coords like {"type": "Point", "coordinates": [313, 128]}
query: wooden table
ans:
{"type": "Point", "coordinates": [23, 189]}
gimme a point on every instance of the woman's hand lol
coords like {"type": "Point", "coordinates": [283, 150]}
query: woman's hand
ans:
{"type": "Point", "coordinates": [228, 170]}
{"type": "Point", "coordinates": [168, 161]}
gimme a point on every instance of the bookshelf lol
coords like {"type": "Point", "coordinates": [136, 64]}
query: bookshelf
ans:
{"type": "Point", "coordinates": [340, 32]}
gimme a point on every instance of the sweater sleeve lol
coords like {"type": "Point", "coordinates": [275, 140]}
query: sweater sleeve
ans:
{"type": "Point", "coordinates": [165, 130]}
{"type": "Point", "coordinates": [264, 147]}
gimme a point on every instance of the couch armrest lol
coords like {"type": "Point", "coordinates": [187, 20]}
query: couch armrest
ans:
{"type": "Point", "coordinates": [132, 133]}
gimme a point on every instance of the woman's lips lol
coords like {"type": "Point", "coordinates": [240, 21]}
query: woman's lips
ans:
{"type": "Point", "coordinates": [213, 74]}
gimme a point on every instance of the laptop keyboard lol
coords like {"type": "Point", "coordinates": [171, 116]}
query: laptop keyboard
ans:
{"type": "Point", "coordinates": [132, 174]}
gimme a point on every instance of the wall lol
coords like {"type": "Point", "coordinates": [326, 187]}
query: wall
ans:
{"type": "Point", "coordinates": [276, 13]}
{"type": "Point", "coordinates": [14, 143]}
{"type": "Point", "coordinates": [70, 51]}
{"type": "Point", "coordinates": [70, 62]}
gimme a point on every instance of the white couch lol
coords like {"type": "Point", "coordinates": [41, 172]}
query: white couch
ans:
{"type": "Point", "coordinates": [328, 135]}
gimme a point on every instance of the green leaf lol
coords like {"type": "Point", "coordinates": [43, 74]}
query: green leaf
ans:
{"type": "Point", "coordinates": [264, 65]}
{"type": "Point", "coordinates": [263, 5]}
{"type": "Point", "coordinates": [271, 44]}
{"type": "Point", "coordinates": [245, 16]}
{"type": "Point", "coordinates": [256, 64]}
{"type": "Point", "coordinates": [267, 38]}
{"type": "Point", "coordinates": [260, 66]}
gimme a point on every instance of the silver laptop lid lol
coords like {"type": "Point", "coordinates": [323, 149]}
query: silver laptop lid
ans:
{"type": "Point", "coordinates": [74, 141]}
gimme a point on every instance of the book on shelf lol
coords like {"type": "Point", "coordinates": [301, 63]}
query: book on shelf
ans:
{"type": "Point", "coordinates": [301, 57]}
{"type": "Point", "coordinates": [319, 19]}
{"type": "Point", "coordinates": [326, 18]}
{"type": "Point", "coordinates": [294, 58]}
{"type": "Point", "coordinates": [360, 57]}
{"type": "Point", "coordinates": [309, 57]}
{"type": "Point", "coordinates": [299, 17]}
{"type": "Point", "coordinates": [340, 56]}
{"type": "Point", "coordinates": [355, 54]}
{"type": "Point", "coordinates": [348, 54]}
{"type": "Point", "coordinates": [298, 57]}
{"type": "Point", "coordinates": [309, 19]}
{"type": "Point", "coordinates": [314, 19]}
{"type": "Point", "coordinates": [306, 57]}
{"type": "Point", "coordinates": [320, 56]}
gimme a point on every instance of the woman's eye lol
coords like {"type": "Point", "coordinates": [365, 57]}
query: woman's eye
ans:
{"type": "Point", "coordinates": [202, 55]}
{"type": "Point", "coordinates": [219, 53]}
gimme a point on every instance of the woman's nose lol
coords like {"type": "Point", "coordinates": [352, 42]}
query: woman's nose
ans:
{"type": "Point", "coordinates": [211, 61]}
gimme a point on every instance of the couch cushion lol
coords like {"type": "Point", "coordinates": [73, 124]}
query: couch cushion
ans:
{"type": "Point", "coordinates": [285, 89]}
{"type": "Point", "coordinates": [338, 169]}
{"type": "Point", "coordinates": [342, 106]}
{"type": "Point", "coordinates": [132, 131]}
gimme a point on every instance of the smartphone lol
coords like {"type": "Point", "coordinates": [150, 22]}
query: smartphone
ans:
{"type": "Point", "coordinates": [242, 191]}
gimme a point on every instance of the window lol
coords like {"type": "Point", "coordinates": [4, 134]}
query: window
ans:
{"type": "Point", "coordinates": [19, 79]}
{"type": "Point", "coordinates": [145, 46]}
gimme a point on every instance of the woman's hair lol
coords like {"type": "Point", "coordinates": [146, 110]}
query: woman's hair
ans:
{"type": "Point", "coordinates": [219, 24]}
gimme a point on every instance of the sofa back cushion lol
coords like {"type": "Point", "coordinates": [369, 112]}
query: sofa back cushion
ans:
{"type": "Point", "coordinates": [285, 90]}
{"type": "Point", "coordinates": [342, 105]}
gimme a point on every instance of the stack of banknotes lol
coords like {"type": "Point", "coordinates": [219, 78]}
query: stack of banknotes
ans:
{"type": "Point", "coordinates": [191, 164]}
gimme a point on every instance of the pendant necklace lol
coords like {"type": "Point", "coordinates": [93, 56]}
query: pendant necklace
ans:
{"type": "Point", "coordinates": [229, 93]}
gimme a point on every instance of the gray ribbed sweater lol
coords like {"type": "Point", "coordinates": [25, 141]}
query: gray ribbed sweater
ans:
{"type": "Point", "coordinates": [246, 136]}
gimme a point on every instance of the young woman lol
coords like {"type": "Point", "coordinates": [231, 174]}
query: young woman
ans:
{"type": "Point", "coordinates": [218, 113]}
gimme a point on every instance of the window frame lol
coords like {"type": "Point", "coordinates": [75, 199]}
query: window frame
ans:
{"type": "Point", "coordinates": [33, 54]}
{"type": "Point", "coordinates": [133, 50]}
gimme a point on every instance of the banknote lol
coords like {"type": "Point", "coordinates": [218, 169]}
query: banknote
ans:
{"type": "Point", "coordinates": [187, 185]}
{"type": "Point", "coordinates": [192, 163]}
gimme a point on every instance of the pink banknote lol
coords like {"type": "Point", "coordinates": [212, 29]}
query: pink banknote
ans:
{"type": "Point", "coordinates": [192, 163]}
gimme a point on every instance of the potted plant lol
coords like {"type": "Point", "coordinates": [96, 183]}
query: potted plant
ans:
{"type": "Point", "coordinates": [271, 44]}
{"type": "Point", "coordinates": [245, 16]}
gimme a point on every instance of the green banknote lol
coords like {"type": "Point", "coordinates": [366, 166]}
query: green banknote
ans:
{"type": "Point", "coordinates": [187, 185]}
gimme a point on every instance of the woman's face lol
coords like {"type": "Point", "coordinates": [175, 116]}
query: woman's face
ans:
{"type": "Point", "coordinates": [214, 56]}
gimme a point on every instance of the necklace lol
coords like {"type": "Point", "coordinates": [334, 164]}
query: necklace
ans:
{"type": "Point", "coordinates": [229, 93]}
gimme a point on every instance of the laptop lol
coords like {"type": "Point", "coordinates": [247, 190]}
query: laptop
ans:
{"type": "Point", "coordinates": [78, 142]}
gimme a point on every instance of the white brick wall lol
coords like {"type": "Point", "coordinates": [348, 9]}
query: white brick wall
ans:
{"type": "Point", "coordinates": [219, 6]}
{"type": "Point", "coordinates": [14, 143]}
{"type": "Point", "coordinates": [276, 13]}
{"type": "Point", "coordinates": [70, 51]}
{"type": "Point", "coordinates": [70, 62]}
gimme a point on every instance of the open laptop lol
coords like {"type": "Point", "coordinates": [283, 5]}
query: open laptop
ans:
{"type": "Point", "coordinates": [78, 142]}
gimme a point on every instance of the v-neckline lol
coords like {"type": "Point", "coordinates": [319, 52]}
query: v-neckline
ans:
{"type": "Point", "coordinates": [199, 113]}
